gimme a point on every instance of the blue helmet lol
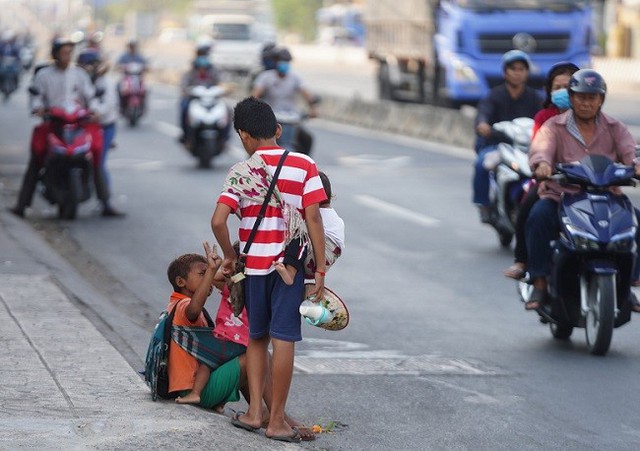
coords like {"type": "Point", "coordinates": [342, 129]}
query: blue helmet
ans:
{"type": "Point", "coordinates": [515, 55]}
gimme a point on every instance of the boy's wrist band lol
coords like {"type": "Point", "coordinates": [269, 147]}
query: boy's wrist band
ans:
{"type": "Point", "coordinates": [322, 273]}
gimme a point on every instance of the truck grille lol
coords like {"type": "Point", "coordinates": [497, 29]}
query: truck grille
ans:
{"type": "Point", "coordinates": [498, 43]}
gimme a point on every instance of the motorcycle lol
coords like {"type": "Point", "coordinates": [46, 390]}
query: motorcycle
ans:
{"type": "Point", "coordinates": [295, 137]}
{"type": "Point", "coordinates": [132, 93]}
{"type": "Point", "coordinates": [208, 120]}
{"type": "Point", "coordinates": [593, 257]}
{"type": "Point", "coordinates": [509, 175]}
{"type": "Point", "coordinates": [68, 167]}
{"type": "Point", "coordinates": [9, 73]}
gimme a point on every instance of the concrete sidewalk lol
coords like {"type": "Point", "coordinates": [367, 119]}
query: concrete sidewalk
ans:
{"type": "Point", "coordinates": [64, 386]}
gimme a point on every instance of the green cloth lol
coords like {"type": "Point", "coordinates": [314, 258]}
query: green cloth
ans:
{"type": "Point", "coordinates": [223, 385]}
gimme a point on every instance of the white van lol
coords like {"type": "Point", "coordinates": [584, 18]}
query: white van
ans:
{"type": "Point", "coordinates": [237, 41]}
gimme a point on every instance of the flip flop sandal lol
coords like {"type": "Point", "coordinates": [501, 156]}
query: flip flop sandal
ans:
{"type": "Point", "coordinates": [538, 297]}
{"type": "Point", "coordinates": [241, 424]}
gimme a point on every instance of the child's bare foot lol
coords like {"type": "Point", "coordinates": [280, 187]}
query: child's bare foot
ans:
{"type": "Point", "coordinates": [191, 398]}
{"type": "Point", "coordinates": [282, 270]}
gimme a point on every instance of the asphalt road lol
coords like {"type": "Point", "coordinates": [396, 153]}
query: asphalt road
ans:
{"type": "Point", "coordinates": [439, 354]}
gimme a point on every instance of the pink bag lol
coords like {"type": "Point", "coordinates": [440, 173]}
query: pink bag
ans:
{"type": "Point", "coordinates": [228, 326]}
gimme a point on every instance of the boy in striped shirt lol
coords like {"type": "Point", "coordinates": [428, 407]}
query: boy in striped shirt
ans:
{"type": "Point", "coordinates": [272, 305]}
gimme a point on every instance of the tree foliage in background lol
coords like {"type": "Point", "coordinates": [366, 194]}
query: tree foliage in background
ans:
{"type": "Point", "coordinates": [297, 16]}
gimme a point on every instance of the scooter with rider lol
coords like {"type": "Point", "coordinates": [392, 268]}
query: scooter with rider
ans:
{"type": "Point", "coordinates": [582, 235]}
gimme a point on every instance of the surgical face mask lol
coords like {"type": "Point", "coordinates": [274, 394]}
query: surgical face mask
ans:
{"type": "Point", "coordinates": [283, 67]}
{"type": "Point", "coordinates": [560, 98]}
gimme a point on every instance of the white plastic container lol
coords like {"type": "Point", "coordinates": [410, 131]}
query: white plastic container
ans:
{"type": "Point", "coordinates": [314, 313]}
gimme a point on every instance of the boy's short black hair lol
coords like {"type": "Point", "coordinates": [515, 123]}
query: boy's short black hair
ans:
{"type": "Point", "coordinates": [326, 184]}
{"type": "Point", "coordinates": [255, 117]}
{"type": "Point", "coordinates": [181, 266]}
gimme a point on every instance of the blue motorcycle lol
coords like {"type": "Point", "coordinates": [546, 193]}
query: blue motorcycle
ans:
{"type": "Point", "coordinates": [593, 257]}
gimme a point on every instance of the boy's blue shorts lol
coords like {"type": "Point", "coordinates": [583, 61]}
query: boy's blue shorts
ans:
{"type": "Point", "coordinates": [272, 306]}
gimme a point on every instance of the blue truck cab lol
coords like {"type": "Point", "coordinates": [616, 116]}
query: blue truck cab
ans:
{"type": "Point", "coordinates": [472, 35]}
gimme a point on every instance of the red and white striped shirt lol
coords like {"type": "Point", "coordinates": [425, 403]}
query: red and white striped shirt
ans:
{"type": "Point", "coordinates": [300, 186]}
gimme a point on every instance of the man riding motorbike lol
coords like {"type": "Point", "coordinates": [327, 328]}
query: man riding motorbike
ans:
{"type": "Point", "coordinates": [279, 87]}
{"type": "Point", "coordinates": [9, 60]}
{"type": "Point", "coordinates": [505, 102]}
{"type": "Point", "coordinates": [201, 73]}
{"type": "Point", "coordinates": [582, 130]}
{"type": "Point", "coordinates": [62, 85]}
{"type": "Point", "coordinates": [131, 57]}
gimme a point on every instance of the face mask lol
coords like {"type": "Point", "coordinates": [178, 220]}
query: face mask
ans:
{"type": "Point", "coordinates": [560, 98]}
{"type": "Point", "coordinates": [283, 67]}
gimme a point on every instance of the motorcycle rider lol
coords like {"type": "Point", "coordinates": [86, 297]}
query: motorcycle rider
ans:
{"type": "Point", "coordinates": [63, 85]}
{"type": "Point", "coordinates": [582, 130]}
{"type": "Point", "coordinates": [505, 102]}
{"type": "Point", "coordinates": [279, 87]}
{"type": "Point", "coordinates": [201, 73]}
{"type": "Point", "coordinates": [10, 49]}
{"type": "Point", "coordinates": [132, 55]}
{"type": "Point", "coordinates": [556, 102]}
{"type": "Point", "coordinates": [268, 59]}
{"type": "Point", "coordinates": [106, 110]}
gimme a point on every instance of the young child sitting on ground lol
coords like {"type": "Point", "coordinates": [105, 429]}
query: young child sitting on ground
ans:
{"type": "Point", "coordinates": [227, 327]}
{"type": "Point", "coordinates": [197, 284]}
{"type": "Point", "coordinates": [334, 242]}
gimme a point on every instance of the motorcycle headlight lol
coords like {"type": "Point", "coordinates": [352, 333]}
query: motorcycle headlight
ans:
{"type": "Point", "coordinates": [582, 240]}
{"type": "Point", "coordinates": [623, 242]}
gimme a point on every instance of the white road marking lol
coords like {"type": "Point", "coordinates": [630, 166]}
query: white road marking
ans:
{"type": "Point", "coordinates": [325, 356]}
{"type": "Point", "coordinates": [395, 210]}
{"type": "Point", "coordinates": [375, 160]}
{"type": "Point", "coordinates": [392, 366]}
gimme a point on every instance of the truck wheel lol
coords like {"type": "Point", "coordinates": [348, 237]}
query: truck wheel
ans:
{"type": "Point", "coordinates": [384, 85]}
{"type": "Point", "coordinates": [421, 76]}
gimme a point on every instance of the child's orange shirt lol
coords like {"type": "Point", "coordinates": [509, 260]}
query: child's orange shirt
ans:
{"type": "Point", "coordinates": [182, 365]}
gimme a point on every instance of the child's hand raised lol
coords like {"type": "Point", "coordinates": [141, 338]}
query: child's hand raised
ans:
{"type": "Point", "coordinates": [211, 253]}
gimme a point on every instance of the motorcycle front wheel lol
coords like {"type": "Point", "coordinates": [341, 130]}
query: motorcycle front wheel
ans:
{"type": "Point", "coordinates": [560, 331]}
{"type": "Point", "coordinates": [600, 316]}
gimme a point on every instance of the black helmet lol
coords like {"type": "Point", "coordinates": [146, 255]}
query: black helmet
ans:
{"type": "Point", "coordinates": [269, 50]}
{"type": "Point", "coordinates": [283, 54]}
{"type": "Point", "coordinates": [587, 81]}
{"type": "Point", "coordinates": [58, 43]}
